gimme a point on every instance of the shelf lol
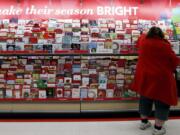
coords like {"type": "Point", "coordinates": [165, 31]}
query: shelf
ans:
{"type": "Point", "coordinates": [37, 99]}
{"type": "Point", "coordinates": [111, 99]}
{"type": "Point", "coordinates": [67, 99]}
{"type": "Point", "coordinates": [65, 54]}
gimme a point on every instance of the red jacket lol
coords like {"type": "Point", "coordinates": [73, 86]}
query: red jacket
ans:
{"type": "Point", "coordinates": [154, 76]}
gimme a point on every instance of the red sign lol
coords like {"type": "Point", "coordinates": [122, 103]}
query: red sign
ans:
{"type": "Point", "coordinates": [90, 9]}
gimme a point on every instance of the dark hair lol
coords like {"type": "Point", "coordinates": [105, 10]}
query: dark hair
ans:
{"type": "Point", "coordinates": [155, 32]}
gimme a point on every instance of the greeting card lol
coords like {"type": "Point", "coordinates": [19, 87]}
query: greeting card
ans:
{"type": "Point", "coordinates": [10, 47]}
{"type": "Point", "coordinates": [83, 92]}
{"type": "Point", "coordinates": [59, 92]}
{"type": "Point", "coordinates": [67, 93]}
{"type": "Point", "coordinates": [75, 46]}
{"type": "Point", "coordinates": [77, 77]}
{"type": "Point", "coordinates": [85, 81]}
{"type": "Point", "coordinates": [3, 46]}
{"type": "Point", "coordinates": [92, 93]}
{"type": "Point", "coordinates": [28, 47]}
{"type": "Point", "coordinates": [26, 93]}
{"type": "Point", "coordinates": [109, 93]}
{"type": "Point", "coordinates": [9, 93]}
{"type": "Point", "coordinates": [67, 80]}
{"type": "Point", "coordinates": [17, 94]}
{"type": "Point", "coordinates": [75, 93]}
{"type": "Point", "coordinates": [102, 81]}
{"type": "Point", "coordinates": [2, 92]}
{"type": "Point", "coordinates": [38, 47]}
{"type": "Point", "coordinates": [92, 47]}
{"type": "Point", "coordinates": [42, 94]}
{"type": "Point", "coordinates": [50, 92]}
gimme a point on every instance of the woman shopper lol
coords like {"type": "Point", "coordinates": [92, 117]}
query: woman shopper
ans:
{"type": "Point", "coordinates": [154, 79]}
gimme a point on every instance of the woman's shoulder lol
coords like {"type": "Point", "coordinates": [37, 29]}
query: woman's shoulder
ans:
{"type": "Point", "coordinates": [166, 41]}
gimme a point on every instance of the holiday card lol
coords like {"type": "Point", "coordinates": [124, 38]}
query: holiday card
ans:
{"type": "Point", "coordinates": [92, 93]}
{"type": "Point", "coordinates": [9, 93]}
{"type": "Point", "coordinates": [84, 92]}
{"type": "Point", "coordinates": [17, 94]}
{"type": "Point", "coordinates": [67, 80]}
{"type": "Point", "coordinates": [109, 93]}
{"type": "Point", "coordinates": [101, 94]}
{"type": "Point", "coordinates": [75, 93]}
{"type": "Point", "coordinates": [42, 94]}
{"type": "Point", "coordinates": [59, 92]}
{"type": "Point", "coordinates": [3, 46]}
{"type": "Point", "coordinates": [50, 92]}
{"type": "Point", "coordinates": [102, 81]}
{"type": "Point", "coordinates": [2, 93]}
{"type": "Point", "coordinates": [85, 81]}
{"type": "Point", "coordinates": [67, 93]}
{"type": "Point", "coordinates": [92, 47]}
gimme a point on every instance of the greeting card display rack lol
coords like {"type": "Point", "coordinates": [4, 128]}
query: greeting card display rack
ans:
{"type": "Point", "coordinates": [64, 82]}
{"type": "Point", "coordinates": [71, 65]}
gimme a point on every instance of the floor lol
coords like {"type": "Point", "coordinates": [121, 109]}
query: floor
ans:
{"type": "Point", "coordinates": [81, 128]}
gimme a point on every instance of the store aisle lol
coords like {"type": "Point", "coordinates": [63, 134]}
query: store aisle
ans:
{"type": "Point", "coordinates": [81, 128]}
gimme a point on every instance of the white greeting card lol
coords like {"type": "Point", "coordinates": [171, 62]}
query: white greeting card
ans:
{"type": "Point", "coordinates": [92, 93]}
{"type": "Point", "coordinates": [17, 94]}
{"type": "Point", "coordinates": [3, 46]}
{"type": "Point", "coordinates": [77, 77]}
{"type": "Point", "coordinates": [29, 67]}
{"type": "Point", "coordinates": [85, 81]}
{"type": "Point", "coordinates": [59, 40]}
{"type": "Point", "coordinates": [9, 93]}
{"type": "Point", "coordinates": [75, 93]}
{"type": "Point", "coordinates": [85, 21]}
{"type": "Point", "coordinates": [40, 41]}
{"type": "Point", "coordinates": [27, 81]}
{"type": "Point", "coordinates": [92, 71]}
{"type": "Point", "coordinates": [109, 93]}
{"type": "Point", "coordinates": [42, 94]}
{"type": "Point", "coordinates": [5, 65]}
{"type": "Point", "coordinates": [17, 86]}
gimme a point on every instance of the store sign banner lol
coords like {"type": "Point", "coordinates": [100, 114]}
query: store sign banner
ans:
{"type": "Point", "coordinates": [89, 9]}
{"type": "Point", "coordinates": [100, 10]}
